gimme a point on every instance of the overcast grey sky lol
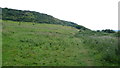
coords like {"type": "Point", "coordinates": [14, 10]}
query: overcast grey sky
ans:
{"type": "Point", "coordinates": [93, 14]}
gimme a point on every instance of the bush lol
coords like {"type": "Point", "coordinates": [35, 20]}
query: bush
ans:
{"type": "Point", "coordinates": [108, 31]}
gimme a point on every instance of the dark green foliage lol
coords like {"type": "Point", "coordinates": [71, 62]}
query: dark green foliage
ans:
{"type": "Point", "coordinates": [108, 31]}
{"type": "Point", "coordinates": [80, 27]}
{"type": "Point", "coordinates": [0, 13]}
{"type": "Point", "coordinates": [98, 30]}
{"type": "Point", "coordinates": [32, 16]}
{"type": "Point", "coordinates": [118, 34]}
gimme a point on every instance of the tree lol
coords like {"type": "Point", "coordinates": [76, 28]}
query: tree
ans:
{"type": "Point", "coordinates": [108, 31]}
{"type": "Point", "coordinates": [98, 30]}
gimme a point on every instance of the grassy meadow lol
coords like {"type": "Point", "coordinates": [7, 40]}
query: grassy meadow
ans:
{"type": "Point", "coordinates": [28, 44]}
{"type": "Point", "coordinates": [0, 43]}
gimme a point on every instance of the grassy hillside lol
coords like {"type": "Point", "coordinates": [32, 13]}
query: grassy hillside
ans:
{"type": "Point", "coordinates": [0, 43]}
{"type": "Point", "coordinates": [29, 44]}
{"type": "Point", "coordinates": [104, 45]}
{"type": "Point", "coordinates": [35, 17]}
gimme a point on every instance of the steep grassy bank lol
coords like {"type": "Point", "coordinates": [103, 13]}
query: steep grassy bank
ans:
{"type": "Point", "coordinates": [53, 45]}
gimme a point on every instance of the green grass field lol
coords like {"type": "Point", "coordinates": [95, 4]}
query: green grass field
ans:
{"type": "Point", "coordinates": [28, 44]}
{"type": "Point", "coordinates": [0, 43]}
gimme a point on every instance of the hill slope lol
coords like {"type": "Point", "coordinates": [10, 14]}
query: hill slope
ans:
{"type": "Point", "coordinates": [32, 16]}
{"type": "Point", "coordinates": [55, 45]}
{"type": "Point", "coordinates": [33, 38]}
{"type": "Point", "coordinates": [42, 44]}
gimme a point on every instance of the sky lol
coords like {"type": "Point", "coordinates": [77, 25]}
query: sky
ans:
{"type": "Point", "coordinates": [93, 14]}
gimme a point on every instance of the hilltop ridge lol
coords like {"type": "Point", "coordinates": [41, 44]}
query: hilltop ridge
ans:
{"type": "Point", "coordinates": [36, 17]}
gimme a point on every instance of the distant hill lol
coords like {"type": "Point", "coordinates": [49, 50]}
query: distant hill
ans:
{"type": "Point", "coordinates": [36, 17]}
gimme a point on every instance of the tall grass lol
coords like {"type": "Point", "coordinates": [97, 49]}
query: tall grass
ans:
{"type": "Point", "coordinates": [103, 45]}
{"type": "Point", "coordinates": [0, 43]}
